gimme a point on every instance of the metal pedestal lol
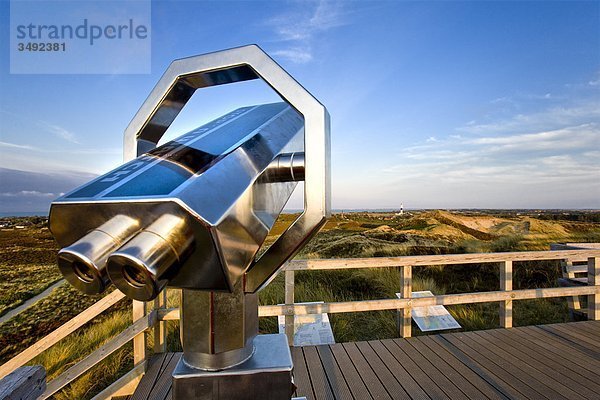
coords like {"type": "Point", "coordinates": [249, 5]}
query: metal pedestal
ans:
{"type": "Point", "coordinates": [266, 375]}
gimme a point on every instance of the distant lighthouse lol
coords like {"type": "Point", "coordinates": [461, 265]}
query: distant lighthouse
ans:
{"type": "Point", "coordinates": [401, 210]}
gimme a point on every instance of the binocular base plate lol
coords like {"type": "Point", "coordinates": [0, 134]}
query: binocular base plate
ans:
{"type": "Point", "coordinates": [266, 375]}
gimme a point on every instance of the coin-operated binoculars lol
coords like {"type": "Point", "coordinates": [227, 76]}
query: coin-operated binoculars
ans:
{"type": "Point", "coordinates": [193, 214]}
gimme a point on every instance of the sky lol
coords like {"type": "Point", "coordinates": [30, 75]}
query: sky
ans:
{"type": "Point", "coordinates": [433, 104]}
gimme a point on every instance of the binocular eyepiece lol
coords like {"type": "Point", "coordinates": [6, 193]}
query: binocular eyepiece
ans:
{"type": "Point", "coordinates": [139, 262]}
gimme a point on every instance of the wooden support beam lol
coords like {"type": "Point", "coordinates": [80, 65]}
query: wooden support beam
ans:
{"type": "Point", "coordinates": [405, 314]}
{"type": "Point", "coordinates": [506, 284]}
{"type": "Point", "coordinates": [139, 342]}
{"type": "Point", "coordinates": [160, 329]}
{"type": "Point", "coordinates": [289, 299]}
{"type": "Point", "coordinates": [594, 280]}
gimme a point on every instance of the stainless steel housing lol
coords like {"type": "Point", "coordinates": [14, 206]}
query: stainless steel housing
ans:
{"type": "Point", "coordinates": [230, 223]}
{"type": "Point", "coordinates": [203, 205]}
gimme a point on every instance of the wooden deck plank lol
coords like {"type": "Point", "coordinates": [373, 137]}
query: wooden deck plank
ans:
{"type": "Point", "coordinates": [589, 326]}
{"type": "Point", "coordinates": [561, 348]}
{"type": "Point", "coordinates": [584, 383]}
{"type": "Point", "coordinates": [524, 378]}
{"type": "Point", "coordinates": [494, 375]}
{"type": "Point", "coordinates": [336, 379]}
{"type": "Point", "coordinates": [529, 365]}
{"type": "Point", "coordinates": [408, 373]}
{"type": "Point", "coordinates": [574, 340]}
{"type": "Point", "coordinates": [576, 328]}
{"type": "Point", "coordinates": [145, 387]}
{"type": "Point", "coordinates": [585, 330]}
{"type": "Point", "coordinates": [165, 380]}
{"type": "Point", "coordinates": [367, 374]}
{"type": "Point", "coordinates": [318, 378]}
{"type": "Point", "coordinates": [459, 362]}
{"type": "Point", "coordinates": [353, 379]}
{"type": "Point", "coordinates": [399, 371]}
{"type": "Point", "coordinates": [301, 378]}
{"type": "Point", "coordinates": [446, 370]}
{"type": "Point", "coordinates": [543, 362]}
{"type": "Point", "coordinates": [429, 370]}
{"type": "Point", "coordinates": [383, 373]}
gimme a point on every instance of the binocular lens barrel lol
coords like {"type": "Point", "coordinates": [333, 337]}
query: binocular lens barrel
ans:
{"type": "Point", "coordinates": [83, 263]}
{"type": "Point", "coordinates": [143, 266]}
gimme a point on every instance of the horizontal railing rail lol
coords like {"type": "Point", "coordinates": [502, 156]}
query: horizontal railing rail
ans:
{"type": "Point", "coordinates": [445, 259]}
{"type": "Point", "coordinates": [153, 318]}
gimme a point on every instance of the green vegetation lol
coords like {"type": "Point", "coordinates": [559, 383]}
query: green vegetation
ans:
{"type": "Point", "coordinates": [27, 265]}
{"type": "Point", "coordinates": [27, 268]}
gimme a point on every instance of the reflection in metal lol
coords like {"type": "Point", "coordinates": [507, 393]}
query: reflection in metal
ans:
{"type": "Point", "coordinates": [198, 209]}
{"type": "Point", "coordinates": [288, 167]}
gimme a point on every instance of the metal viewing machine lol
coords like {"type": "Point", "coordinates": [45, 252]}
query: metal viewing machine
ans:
{"type": "Point", "coordinates": [193, 214]}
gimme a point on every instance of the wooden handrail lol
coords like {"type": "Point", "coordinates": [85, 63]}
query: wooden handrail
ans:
{"type": "Point", "coordinates": [446, 300]}
{"type": "Point", "coordinates": [446, 259]}
{"type": "Point", "coordinates": [172, 314]}
{"type": "Point", "coordinates": [60, 333]}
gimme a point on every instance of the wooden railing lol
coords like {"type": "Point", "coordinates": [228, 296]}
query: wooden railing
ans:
{"type": "Point", "coordinates": [152, 316]}
{"type": "Point", "coordinates": [505, 296]}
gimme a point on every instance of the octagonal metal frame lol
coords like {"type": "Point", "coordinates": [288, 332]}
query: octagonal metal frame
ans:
{"type": "Point", "coordinates": [176, 87]}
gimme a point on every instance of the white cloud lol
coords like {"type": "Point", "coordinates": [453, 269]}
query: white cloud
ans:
{"type": "Point", "coordinates": [296, 55]}
{"type": "Point", "coordinates": [30, 193]}
{"type": "Point", "coordinates": [60, 132]}
{"type": "Point", "coordinates": [17, 146]}
{"type": "Point", "coordinates": [574, 137]}
{"type": "Point", "coordinates": [595, 82]}
{"type": "Point", "coordinates": [553, 117]}
{"type": "Point", "coordinates": [526, 161]}
{"type": "Point", "coordinates": [297, 29]}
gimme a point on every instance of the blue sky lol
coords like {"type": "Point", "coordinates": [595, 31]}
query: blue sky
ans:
{"type": "Point", "coordinates": [433, 104]}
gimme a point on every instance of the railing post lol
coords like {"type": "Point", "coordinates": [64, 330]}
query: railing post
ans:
{"type": "Point", "coordinates": [405, 314]}
{"type": "Point", "coordinates": [594, 280]}
{"type": "Point", "coordinates": [160, 328]}
{"type": "Point", "coordinates": [506, 283]}
{"type": "Point", "coordinates": [289, 299]}
{"type": "Point", "coordinates": [139, 341]}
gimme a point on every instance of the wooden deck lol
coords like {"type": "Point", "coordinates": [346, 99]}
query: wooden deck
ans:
{"type": "Point", "coordinates": [559, 361]}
